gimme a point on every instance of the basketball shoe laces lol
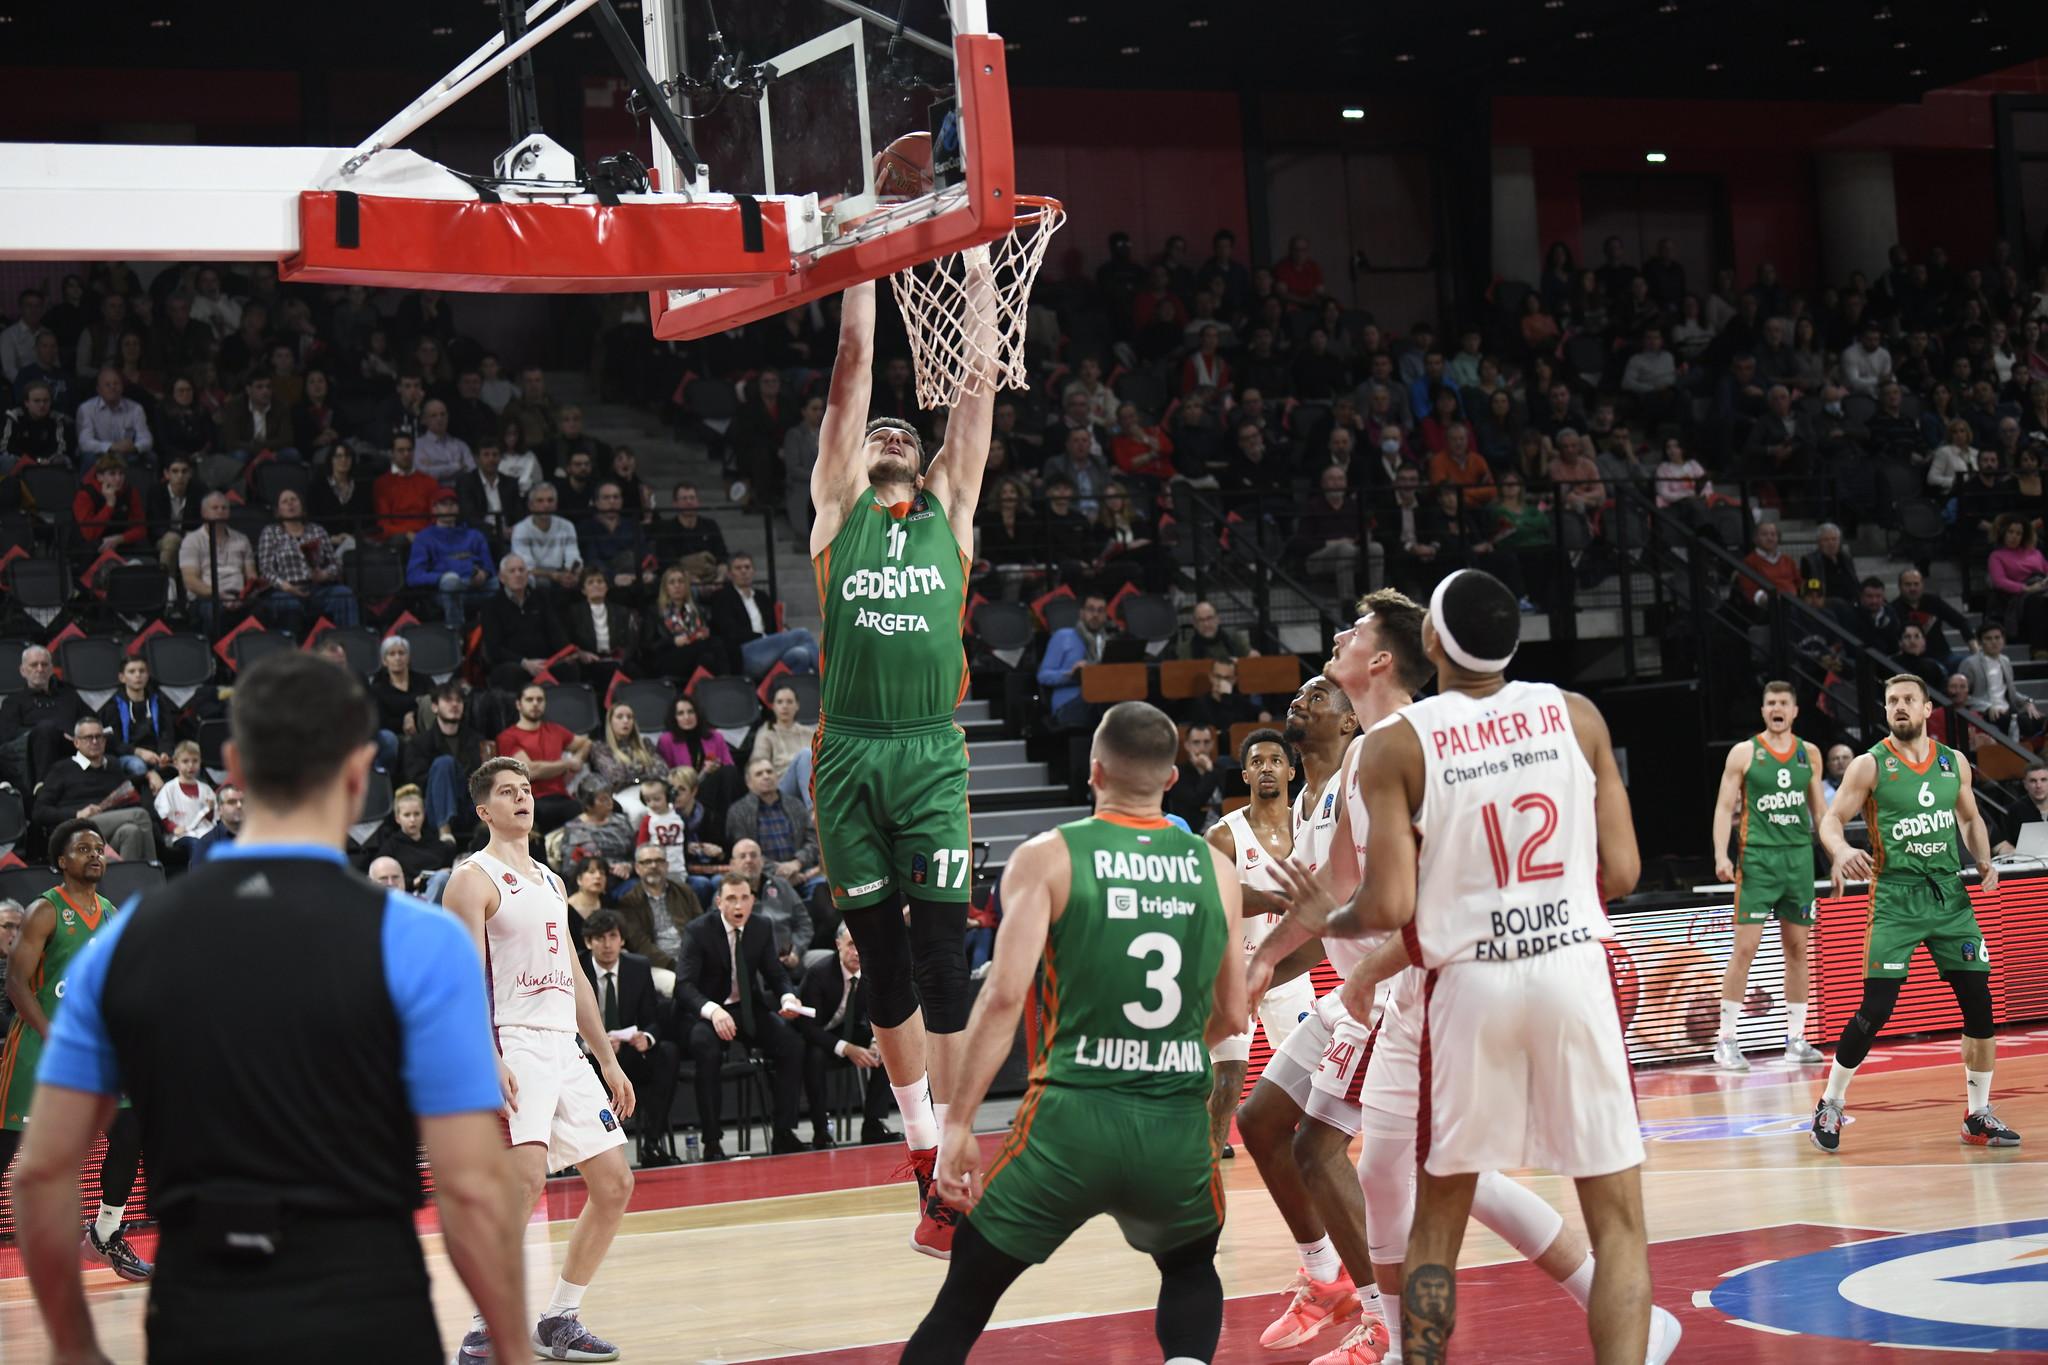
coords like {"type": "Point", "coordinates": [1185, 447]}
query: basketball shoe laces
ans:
{"type": "Point", "coordinates": [930, 1201]}
{"type": "Point", "coordinates": [1830, 1117]}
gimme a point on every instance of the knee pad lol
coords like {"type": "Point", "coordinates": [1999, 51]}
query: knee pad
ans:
{"type": "Point", "coordinates": [1517, 1216]}
{"type": "Point", "coordinates": [884, 945]}
{"type": "Point", "coordinates": [938, 962]}
{"type": "Point", "coordinates": [1386, 1174]}
{"type": "Point", "coordinates": [1880, 994]}
{"type": "Point", "coordinates": [1973, 994]}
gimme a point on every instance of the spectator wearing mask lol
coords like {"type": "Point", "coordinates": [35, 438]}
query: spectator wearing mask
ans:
{"type": "Point", "coordinates": [838, 1030]}
{"type": "Point", "coordinates": [746, 616]}
{"type": "Point", "coordinates": [453, 560]}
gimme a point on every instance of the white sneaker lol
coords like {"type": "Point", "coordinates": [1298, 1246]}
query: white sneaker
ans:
{"type": "Point", "coordinates": [1728, 1055]}
{"type": "Point", "coordinates": [1664, 1334]}
{"type": "Point", "coordinates": [1803, 1053]}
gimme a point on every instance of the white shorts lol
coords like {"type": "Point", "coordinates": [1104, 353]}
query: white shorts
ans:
{"type": "Point", "coordinates": [1280, 1011]}
{"type": "Point", "coordinates": [1524, 1065]}
{"type": "Point", "coordinates": [1322, 1066]}
{"type": "Point", "coordinates": [562, 1104]}
{"type": "Point", "coordinates": [1393, 1075]}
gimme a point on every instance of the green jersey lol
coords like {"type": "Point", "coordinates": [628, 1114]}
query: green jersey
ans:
{"type": "Point", "coordinates": [893, 589]}
{"type": "Point", "coordinates": [1130, 964]}
{"type": "Point", "coordinates": [1911, 813]}
{"type": "Point", "coordinates": [77, 923]}
{"type": "Point", "coordinates": [1774, 809]}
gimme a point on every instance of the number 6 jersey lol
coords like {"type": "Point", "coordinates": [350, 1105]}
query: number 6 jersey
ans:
{"type": "Point", "coordinates": [1510, 859]}
{"type": "Point", "coordinates": [1130, 965]}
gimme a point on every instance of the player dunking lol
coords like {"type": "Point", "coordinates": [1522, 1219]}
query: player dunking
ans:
{"type": "Point", "coordinates": [1303, 1113]}
{"type": "Point", "coordinates": [1128, 924]}
{"type": "Point", "coordinates": [1913, 793]}
{"type": "Point", "coordinates": [556, 1112]}
{"type": "Point", "coordinates": [60, 923]}
{"type": "Point", "coordinates": [1522, 1061]}
{"type": "Point", "coordinates": [1255, 838]}
{"type": "Point", "coordinates": [891, 547]}
{"type": "Point", "coordinates": [1774, 780]}
{"type": "Point", "coordinates": [1390, 1099]}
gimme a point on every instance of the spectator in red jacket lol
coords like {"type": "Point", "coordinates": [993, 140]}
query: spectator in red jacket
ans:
{"type": "Point", "coordinates": [109, 517]}
{"type": "Point", "coordinates": [403, 497]}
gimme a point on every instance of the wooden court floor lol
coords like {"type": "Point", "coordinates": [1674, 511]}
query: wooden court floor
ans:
{"type": "Point", "coordinates": [1906, 1245]}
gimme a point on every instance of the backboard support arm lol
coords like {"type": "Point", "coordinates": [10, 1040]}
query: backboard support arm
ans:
{"type": "Point", "coordinates": [522, 102]}
{"type": "Point", "coordinates": [647, 87]}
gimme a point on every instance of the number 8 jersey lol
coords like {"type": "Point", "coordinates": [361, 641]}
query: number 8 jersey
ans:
{"type": "Point", "coordinates": [1510, 859]}
{"type": "Point", "coordinates": [1130, 965]}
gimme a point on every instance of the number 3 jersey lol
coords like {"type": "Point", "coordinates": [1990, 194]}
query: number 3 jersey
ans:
{"type": "Point", "coordinates": [1510, 858]}
{"type": "Point", "coordinates": [528, 959]}
{"type": "Point", "coordinates": [1130, 966]}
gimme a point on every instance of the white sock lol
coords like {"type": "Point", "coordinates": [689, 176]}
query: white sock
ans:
{"type": "Point", "coordinates": [1731, 1012]}
{"type": "Point", "coordinates": [477, 1323]}
{"type": "Point", "coordinates": [1319, 1259]}
{"type": "Point", "coordinates": [1369, 1301]}
{"type": "Point", "coordinates": [1579, 1284]}
{"type": "Point", "coordinates": [1795, 1019]}
{"type": "Point", "coordinates": [1976, 1083]}
{"type": "Point", "coordinates": [939, 1115]}
{"type": "Point", "coordinates": [567, 1298]}
{"type": "Point", "coordinates": [109, 1221]}
{"type": "Point", "coordinates": [920, 1125]}
{"type": "Point", "coordinates": [1839, 1077]}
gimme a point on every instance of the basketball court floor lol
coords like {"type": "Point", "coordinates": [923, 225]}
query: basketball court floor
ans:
{"type": "Point", "coordinates": [1907, 1245]}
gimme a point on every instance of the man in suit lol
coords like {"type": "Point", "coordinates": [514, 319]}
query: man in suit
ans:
{"type": "Point", "coordinates": [745, 615]}
{"type": "Point", "coordinates": [747, 1007]}
{"type": "Point", "coordinates": [840, 1031]}
{"type": "Point", "coordinates": [490, 500]}
{"type": "Point", "coordinates": [626, 998]}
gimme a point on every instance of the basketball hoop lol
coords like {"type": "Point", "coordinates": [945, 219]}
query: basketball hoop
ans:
{"type": "Point", "coordinates": [951, 352]}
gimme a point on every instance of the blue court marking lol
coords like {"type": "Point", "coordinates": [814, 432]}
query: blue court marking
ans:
{"type": "Point", "coordinates": [1981, 1287]}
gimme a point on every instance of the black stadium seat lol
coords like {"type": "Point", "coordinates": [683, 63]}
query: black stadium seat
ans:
{"type": "Point", "coordinates": [573, 706]}
{"type": "Point", "coordinates": [252, 645]}
{"type": "Point", "coordinates": [436, 650]}
{"type": "Point", "coordinates": [91, 664]}
{"type": "Point", "coordinates": [653, 701]}
{"type": "Point", "coordinates": [726, 703]}
{"type": "Point", "coordinates": [179, 661]}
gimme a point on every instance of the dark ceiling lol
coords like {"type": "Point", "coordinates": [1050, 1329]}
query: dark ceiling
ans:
{"type": "Point", "coordinates": [1779, 49]}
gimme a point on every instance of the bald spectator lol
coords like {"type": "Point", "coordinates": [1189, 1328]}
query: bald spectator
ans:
{"type": "Point", "coordinates": [217, 563]}
{"type": "Point", "coordinates": [777, 901]}
{"type": "Point", "coordinates": [111, 423]}
{"type": "Point", "coordinates": [548, 543]}
{"type": "Point", "coordinates": [1205, 637]}
{"type": "Point", "coordinates": [440, 456]}
{"type": "Point", "coordinates": [520, 631]}
{"type": "Point", "coordinates": [385, 871]}
{"type": "Point", "coordinates": [1836, 763]}
{"type": "Point", "coordinates": [1767, 570]}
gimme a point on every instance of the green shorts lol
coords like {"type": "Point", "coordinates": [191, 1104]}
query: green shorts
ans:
{"type": "Point", "coordinates": [1911, 911]}
{"type": "Point", "coordinates": [892, 812]}
{"type": "Point", "coordinates": [1774, 881]}
{"type": "Point", "coordinates": [19, 1054]}
{"type": "Point", "coordinates": [1072, 1154]}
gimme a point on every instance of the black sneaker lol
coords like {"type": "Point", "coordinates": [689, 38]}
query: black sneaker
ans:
{"type": "Point", "coordinates": [116, 1252]}
{"type": "Point", "coordinates": [1983, 1129]}
{"type": "Point", "coordinates": [1827, 1125]}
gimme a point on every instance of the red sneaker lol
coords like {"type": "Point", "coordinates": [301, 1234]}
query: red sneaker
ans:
{"type": "Point", "coordinates": [1314, 1306]}
{"type": "Point", "coordinates": [936, 1219]}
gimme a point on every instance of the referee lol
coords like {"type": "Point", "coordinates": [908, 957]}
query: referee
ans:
{"type": "Point", "coordinates": [288, 1033]}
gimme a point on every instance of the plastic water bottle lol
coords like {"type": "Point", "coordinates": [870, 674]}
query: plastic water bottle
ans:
{"type": "Point", "coordinates": [690, 1149]}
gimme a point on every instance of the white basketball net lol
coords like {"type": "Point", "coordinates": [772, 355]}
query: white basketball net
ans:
{"type": "Point", "coordinates": [967, 326]}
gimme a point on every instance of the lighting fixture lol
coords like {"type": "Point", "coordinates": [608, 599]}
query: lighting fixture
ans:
{"type": "Point", "coordinates": [1198, 23]}
{"type": "Point", "coordinates": [1668, 7]}
{"type": "Point", "coordinates": [1900, 45]}
{"type": "Point", "coordinates": [1475, 33]}
{"type": "Point", "coordinates": [165, 23]}
{"type": "Point", "coordinates": [1982, 16]}
{"type": "Point", "coordinates": [1583, 34]}
{"type": "Point", "coordinates": [1354, 114]}
{"type": "Point", "coordinates": [1655, 158]}
{"type": "Point", "coordinates": [1998, 47]}
{"type": "Point", "coordinates": [1553, 4]}
{"type": "Point", "coordinates": [1517, 59]}
{"type": "Point", "coordinates": [1917, 71]}
{"type": "Point", "coordinates": [1796, 40]}
{"type": "Point", "coordinates": [1404, 56]}
{"type": "Point", "coordinates": [1129, 49]}
{"type": "Point", "coordinates": [1881, 15]}
{"type": "Point", "coordinates": [1713, 66]}
{"type": "Point", "coordinates": [1077, 18]}
{"type": "Point", "coordinates": [1819, 68]}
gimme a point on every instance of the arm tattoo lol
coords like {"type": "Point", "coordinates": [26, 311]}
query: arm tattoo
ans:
{"type": "Point", "coordinates": [1429, 1310]}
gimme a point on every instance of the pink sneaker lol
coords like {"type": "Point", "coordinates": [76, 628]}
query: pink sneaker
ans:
{"type": "Point", "coordinates": [1315, 1305]}
{"type": "Point", "coordinates": [1367, 1345]}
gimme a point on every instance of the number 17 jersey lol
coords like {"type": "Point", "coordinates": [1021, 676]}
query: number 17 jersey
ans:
{"type": "Point", "coordinates": [1130, 966]}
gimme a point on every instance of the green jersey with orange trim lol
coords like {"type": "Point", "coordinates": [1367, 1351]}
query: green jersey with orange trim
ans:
{"type": "Point", "coordinates": [893, 589]}
{"type": "Point", "coordinates": [1911, 813]}
{"type": "Point", "coordinates": [77, 923]}
{"type": "Point", "coordinates": [1774, 809]}
{"type": "Point", "coordinates": [1131, 961]}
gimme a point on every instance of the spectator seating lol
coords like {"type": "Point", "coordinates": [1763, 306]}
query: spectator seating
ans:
{"type": "Point", "coordinates": [138, 593]}
{"type": "Point", "coordinates": [727, 705]}
{"type": "Point", "coordinates": [10, 665]}
{"type": "Point", "coordinates": [13, 821]}
{"type": "Point", "coordinates": [125, 879]}
{"type": "Point", "coordinates": [653, 701]}
{"type": "Point", "coordinates": [179, 661]}
{"type": "Point", "coordinates": [361, 644]}
{"type": "Point", "coordinates": [436, 650]}
{"type": "Point", "coordinates": [573, 707]}
{"type": "Point", "coordinates": [252, 645]}
{"type": "Point", "coordinates": [91, 664]}
{"type": "Point", "coordinates": [1103, 684]}
{"type": "Point", "coordinates": [40, 584]}
{"type": "Point", "coordinates": [805, 685]}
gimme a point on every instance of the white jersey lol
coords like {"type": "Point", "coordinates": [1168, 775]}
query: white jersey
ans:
{"type": "Point", "coordinates": [1510, 859]}
{"type": "Point", "coordinates": [528, 959]}
{"type": "Point", "coordinates": [1255, 870]}
{"type": "Point", "coordinates": [1315, 835]}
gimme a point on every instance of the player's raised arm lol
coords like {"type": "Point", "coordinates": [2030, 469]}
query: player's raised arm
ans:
{"type": "Point", "coordinates": [1851, 864]}
{"type": "Point", "coordinates": [1728, 800]}
{"type": "Point", "coordinates": [1386, 897]}
{"type": "Point", "coordinates": [838, 471]}
{"type": "Point", "coordinates": [1230, 1004]}
{"type": "Point", "coordinates": [956, 471]}
{"type": "Point", "coordinates": [1976, 836]}
{"type": "Point", "coordinates": [1621, 861]}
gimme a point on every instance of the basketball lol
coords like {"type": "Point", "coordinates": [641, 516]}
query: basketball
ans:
{"type": "Point", "coordinates": [903, 169]}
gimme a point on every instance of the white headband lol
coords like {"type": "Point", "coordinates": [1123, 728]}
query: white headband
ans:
{"type": "Point", "coordinates": [1459, 655]}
